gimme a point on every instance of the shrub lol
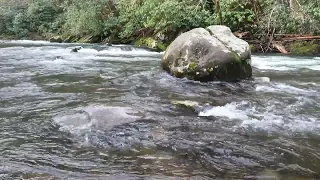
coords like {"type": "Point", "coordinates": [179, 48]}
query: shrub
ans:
{"type": "Point", "coordinates": [8, 15]}
{"type": "Point", "coordinates": [42, 15]}
{"type": "Point", "coordinates": [151, 17]}
{"type": "Point", "coordinates": [239, 14]}
{"type": "Point", "coordinates": [84, 17]}
{"type": "Point", "coordinates": [20, 25]}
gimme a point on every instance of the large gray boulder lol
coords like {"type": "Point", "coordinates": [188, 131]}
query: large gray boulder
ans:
{"type": "Point", "coordinates": [208, 54]}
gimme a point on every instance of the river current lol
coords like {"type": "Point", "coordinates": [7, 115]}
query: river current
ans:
{"type": "Point", "coordinates": [111, 112]}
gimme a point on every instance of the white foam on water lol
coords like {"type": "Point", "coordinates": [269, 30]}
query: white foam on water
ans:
{"type": "Point", "coordinates": [283, 88]}
{"type": "Point", "coordinates": [61, 59]}
{"type": "Point", "coordinates": [269, 118]}
{"type": "Point", "coordinates": [103, 55]}
{"type": "Point", "coordinates": [284, 63]}
{"type": "Point", "coordinates": [113, 51]}
{"type": "Point", "coordinates": [56, 57]}
{"type": "Point", "coordinates": [57, 61]}
{"type": "Point", "coordinates": [262, 79]}
{"type": "Point", "coordinates": [88, 51]}
{"type": "Point", "coordinates": [119, 51]}
{"type": "Point", "coordinates": [229, 110]}
{"type": "Point", "coordinates": [308, 83]}
{"type": "Point", "coordinates": [25, 42]}
{"type": "Point", "coordinates": [315, 67]}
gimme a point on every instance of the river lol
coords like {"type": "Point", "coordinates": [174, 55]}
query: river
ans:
{"type": "Point", "coordinates": [111, 112]}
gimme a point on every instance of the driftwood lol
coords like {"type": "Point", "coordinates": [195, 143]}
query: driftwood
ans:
{"type": "Point", "coordinates": [241, 34]}
{"type": "Point", "coordinates": [278, 37]}
{"type": "Point", "coordinates": [280, 48]}
{"type": "Point", "coordinates": [286, 35]}
{"type": "Point", "coordinates": [274, 42]}
{"type": "Point", "coordinates": [305, 38]}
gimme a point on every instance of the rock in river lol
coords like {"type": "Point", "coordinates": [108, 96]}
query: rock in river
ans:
{"type": "Point", "coordinates": [208, 54]}
{"type": "Point", "coordinates": [56, 39]}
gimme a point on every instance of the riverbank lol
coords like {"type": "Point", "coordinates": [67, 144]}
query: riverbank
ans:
{"type": "Point", "coordinates": [155, 24]}
{"type": "Point", "coordinates": [304, 47]}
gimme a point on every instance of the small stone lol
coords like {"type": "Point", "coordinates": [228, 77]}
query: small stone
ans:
{"type": "Point", "coordinates": [76, 49]}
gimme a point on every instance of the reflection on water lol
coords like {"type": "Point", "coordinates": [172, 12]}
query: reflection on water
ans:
{"type": "Point", "coordinates": [112, 113]}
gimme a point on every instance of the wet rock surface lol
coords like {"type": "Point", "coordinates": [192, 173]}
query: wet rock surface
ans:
{"type": "Point", "coordinates": [208, 54]}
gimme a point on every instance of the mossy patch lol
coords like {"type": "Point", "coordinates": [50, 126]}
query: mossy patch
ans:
{"type": "Point", "coordinates": [253, 48]}
{"type": "Point", "coordinates": [146, 42]}
{"type": "Point", "coordinates": [151, 43]}
{"type": "Point", "coordinates": [162, 46]}
{"type": "Point", "coordinates": [304, 48]}
{"type": "Point", "coordinates": [236, 57]}
{"type": "Point", "coordinates": [193, 66]}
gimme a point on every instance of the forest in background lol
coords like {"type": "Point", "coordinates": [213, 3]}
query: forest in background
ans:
{"type": "Point", "coordinates": [134, 21]}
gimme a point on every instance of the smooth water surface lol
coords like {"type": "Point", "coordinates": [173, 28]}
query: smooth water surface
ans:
{"type": "Point", "coordinates": [112, 113]}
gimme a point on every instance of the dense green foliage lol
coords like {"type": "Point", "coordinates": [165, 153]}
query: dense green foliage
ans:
{"type": "Point", "coordinates": [84, 17]}
{"type": "Point", "coordinates": [156, 17]}
{"type": "Point", "coordinates": [128, 20]}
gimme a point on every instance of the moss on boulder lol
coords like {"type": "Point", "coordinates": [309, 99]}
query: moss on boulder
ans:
{"type": "Point", "coordinates": [162, 46]}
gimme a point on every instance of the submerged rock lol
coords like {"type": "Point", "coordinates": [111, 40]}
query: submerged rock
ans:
{"type": "Point", "coordinates": [76, 49]}
{"type": "Point", "coordinates": [208, 54]}
{"type": "Point", "coordinates": [186, 103]}
{"type": "Point", "coordinates": [98, 118]}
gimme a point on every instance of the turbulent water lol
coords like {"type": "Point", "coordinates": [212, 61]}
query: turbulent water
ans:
{"type": "Point", "coordinates": [112, 113]}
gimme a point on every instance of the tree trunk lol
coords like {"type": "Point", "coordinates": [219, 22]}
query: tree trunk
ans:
{"type": "Point", "coordinates": [218, 11]}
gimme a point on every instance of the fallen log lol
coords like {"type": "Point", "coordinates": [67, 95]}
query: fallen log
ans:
{"type": "Point", "coordinates": [303, 38]}
{"type": "Point", "coordinates": [286, 35]}
{"type": "Point", "coordinates": [280, 48]}
{"type": "Point", "coordinates": [277, 42]}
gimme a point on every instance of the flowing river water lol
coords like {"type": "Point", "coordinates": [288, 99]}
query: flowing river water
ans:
{"type": "Point", "coordinates": [113, 113]}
